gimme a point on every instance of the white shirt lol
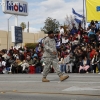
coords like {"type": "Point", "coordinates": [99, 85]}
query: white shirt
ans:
{"type": "Point", "coordinates": [3, 63]}
{"type": "Point", "coordinates": [58, 43]}
{"type": "Point", "coordinates": [61, 31]}
{"type": "Point", "coordinates": [63, 40]}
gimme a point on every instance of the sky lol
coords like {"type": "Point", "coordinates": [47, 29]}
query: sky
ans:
{"type": "Point", "coordinates": [40, 10]}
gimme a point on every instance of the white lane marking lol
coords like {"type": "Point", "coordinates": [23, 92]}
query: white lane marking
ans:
{"type": "Point", "coordinates": [83, 82]}
{"type": "Point", "coordinates": [75, 88]}
{"type": "Point", "coordinates": [85, 76]}
{"type": "Point", "coordinates": [50, 82]}
{"type": "Point", "coordinates": [34, 76]}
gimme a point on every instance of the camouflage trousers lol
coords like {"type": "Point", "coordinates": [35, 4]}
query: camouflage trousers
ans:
{"type": "Point", "coordinates": [48, 62]}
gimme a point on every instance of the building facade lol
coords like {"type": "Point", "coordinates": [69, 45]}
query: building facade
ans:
{"type": "Point", "coordinates": [27, 38]}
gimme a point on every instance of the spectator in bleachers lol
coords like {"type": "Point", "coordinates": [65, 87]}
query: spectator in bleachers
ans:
{"type": "Point", "coordinates": [95, 62]}
{"type": "Point", "coordinates": [37, 65]}
{"type": "Point", "coordinates": [9, 63]}
{"type": "Point", "coordinates": [68, 63]}
{"type": "Point", "coordinates": [97, 26]}
{"type": "Point", "coordinates": [77, 41]}
{"type": "Point", "coordinates": [4, 54]}
{"type": "Point", "coordinates": [98, 38]}
{"type": "Point", "coordinates": [25, 66]}
{"type": "Point", "coordinates": [92, 25]}
{"type": "Point", "coordinates": [73, 30]}
{"type": "Point", "coordinates": [61, 30]}
{"type": "Point", "coordinates": [62, 65]}
{"type": "Point", "coordinates": [84, 65]}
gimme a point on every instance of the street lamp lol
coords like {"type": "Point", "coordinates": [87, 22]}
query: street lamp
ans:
{"type": "Point", "coordinates": [8, 33]}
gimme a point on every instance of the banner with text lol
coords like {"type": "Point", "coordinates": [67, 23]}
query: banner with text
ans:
{"type": "Point", "coordinates": [93, 10]}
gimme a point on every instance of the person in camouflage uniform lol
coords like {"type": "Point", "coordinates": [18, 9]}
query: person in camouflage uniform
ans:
{"type": "Point", "coordinates": [50, 57]}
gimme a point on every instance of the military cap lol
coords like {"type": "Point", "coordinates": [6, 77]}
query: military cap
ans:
{"type": "Point", "coordinates": [50, 32]}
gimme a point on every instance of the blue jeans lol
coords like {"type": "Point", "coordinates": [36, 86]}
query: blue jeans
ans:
{"type": "Point", "coordinates": [98, 64]}
{"type": "Point", "coordinates": [63, 68]}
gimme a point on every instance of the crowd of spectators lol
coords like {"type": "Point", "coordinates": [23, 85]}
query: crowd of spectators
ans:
{"type": "Point", "coordinates": [78, 52]}
{"type": "Point", "coordinates": [21, 60]}
{"type": "Point", "coordinates": [79, 49]}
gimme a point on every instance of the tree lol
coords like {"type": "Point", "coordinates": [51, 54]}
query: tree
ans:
{"type": "Point", "coordinates": [23, 25]}
{"type": "Point", "coordinates": [69, 20]}
{"type": "Point", "coordinates": [65, 27]}
{"type": "Point", "coordinates": [50, 24]}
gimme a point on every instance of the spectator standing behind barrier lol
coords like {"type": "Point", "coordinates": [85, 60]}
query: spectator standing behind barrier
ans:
{"type": "Point", "coordinates": [50, 57]}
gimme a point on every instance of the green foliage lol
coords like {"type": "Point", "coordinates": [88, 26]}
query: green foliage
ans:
{"type": "Point", "coordinates": [31, 45]}
{"type": "Point", "coordinates": [50, 24]}
{"type": "Point", "coordinates": [23, 25]}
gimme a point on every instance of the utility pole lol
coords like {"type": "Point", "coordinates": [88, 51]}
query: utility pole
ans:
{"type": "Point", "coordinates": [83, 15]}
{"type": "Point", "coordinates": [8, 41]}
{"type": "Point", "coordinates": [16, 24]}
{"type": "Point", "coordinates": [28, 27]}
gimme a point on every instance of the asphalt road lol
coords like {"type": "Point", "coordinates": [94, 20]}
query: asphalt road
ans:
{"type": "Point", "coordinates": [30, 87]}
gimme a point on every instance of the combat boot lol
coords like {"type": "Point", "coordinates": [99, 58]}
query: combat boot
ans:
{"type": "Point", "coordinates": [62, 78]}
{"type": "Point", "coordinates": [45, 80]}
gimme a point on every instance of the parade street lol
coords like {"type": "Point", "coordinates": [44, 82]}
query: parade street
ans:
{"type": "Point", "coordinates": [30, 87]}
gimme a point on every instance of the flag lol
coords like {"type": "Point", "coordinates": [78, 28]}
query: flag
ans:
{"type": "Point", "coordinates": [92, 10]}
{"type": "Point", "coordinates": [77, 17]}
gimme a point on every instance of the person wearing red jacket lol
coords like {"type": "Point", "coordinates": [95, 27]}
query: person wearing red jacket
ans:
{"type": "Point", "coordinates": [92, 53]}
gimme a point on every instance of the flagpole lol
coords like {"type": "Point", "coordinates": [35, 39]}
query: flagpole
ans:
{"type": "Point", "coordinates": [84, 16]}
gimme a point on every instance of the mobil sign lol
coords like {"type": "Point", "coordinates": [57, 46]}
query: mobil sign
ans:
{"type": "Point", "coordinates": [17, 7]}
